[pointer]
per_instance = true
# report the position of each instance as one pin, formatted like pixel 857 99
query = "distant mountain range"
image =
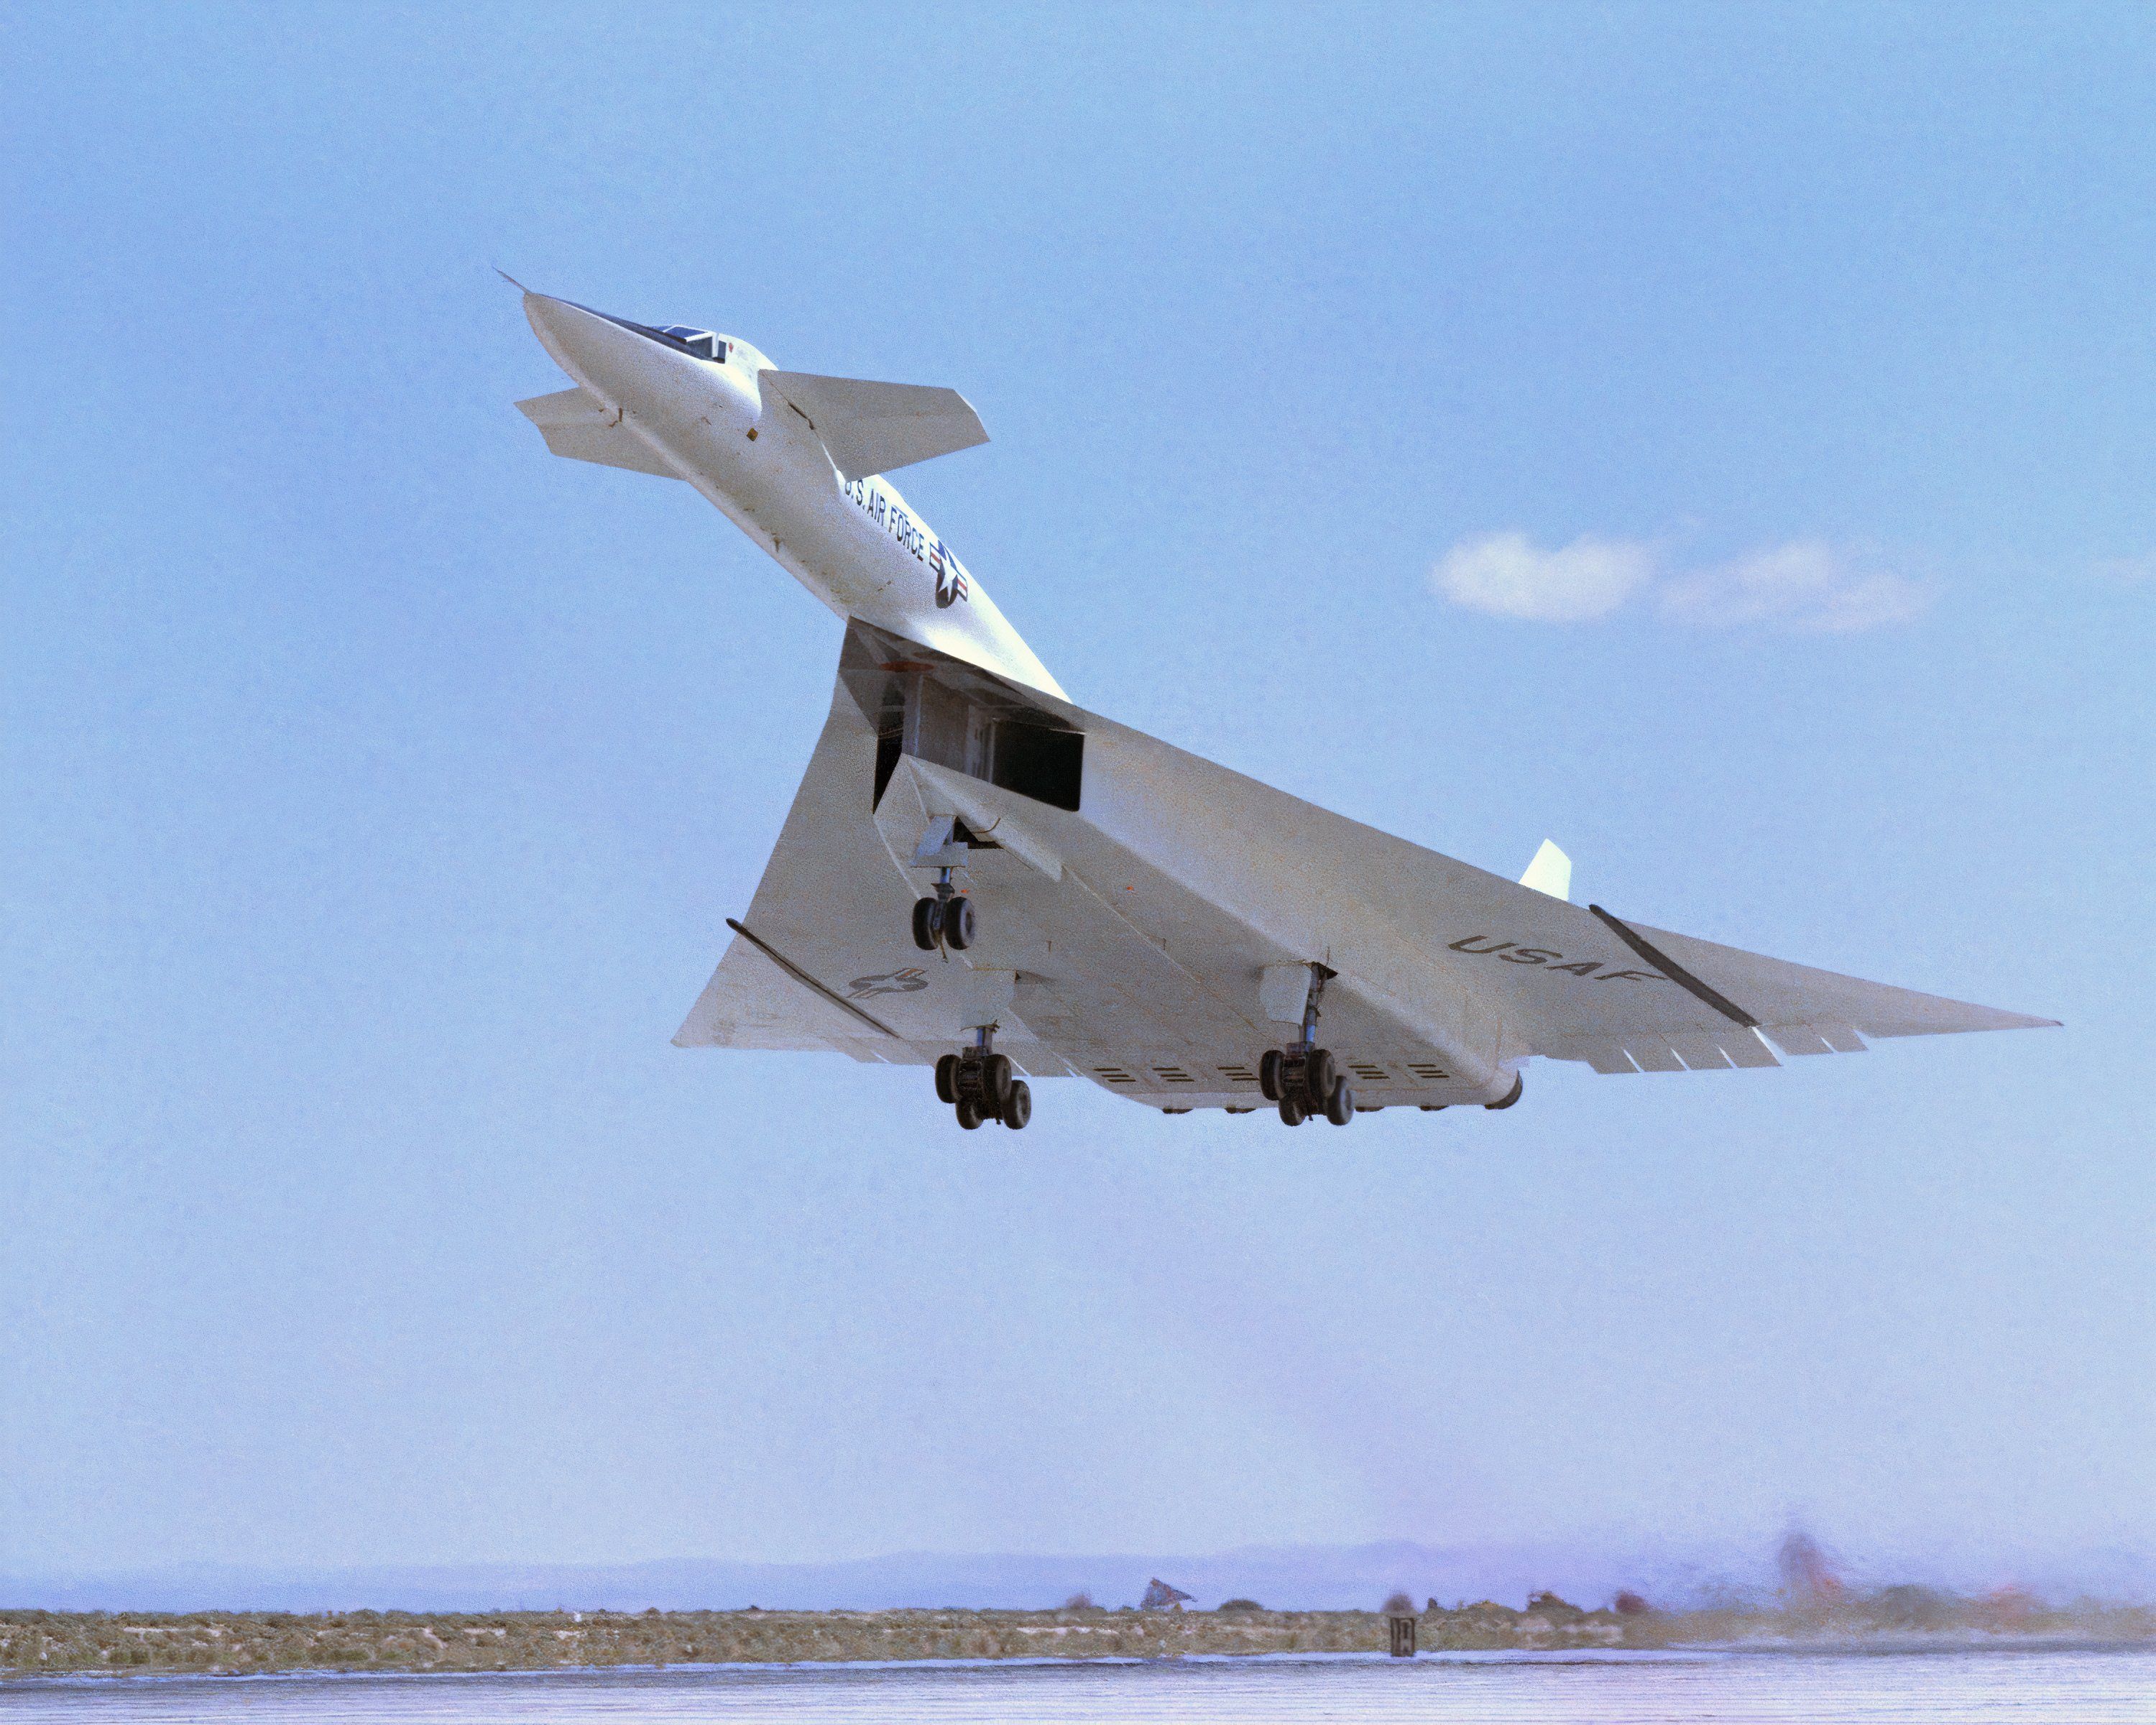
pixel 1304 1577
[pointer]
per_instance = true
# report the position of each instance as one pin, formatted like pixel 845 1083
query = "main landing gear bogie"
pixel 945 918
pixel 1303 1079
pixel 980 1085
pixel 1305 1082
pixel 948 922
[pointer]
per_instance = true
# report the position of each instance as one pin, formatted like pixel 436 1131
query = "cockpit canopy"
pixel 700 343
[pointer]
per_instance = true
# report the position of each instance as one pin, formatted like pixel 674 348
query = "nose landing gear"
pixel 1302 1077
pixel 947 919
pixel 978 1082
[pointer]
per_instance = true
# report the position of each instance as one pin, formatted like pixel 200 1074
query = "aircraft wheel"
pixel 927 920
pixel 1019 1109
pixel 1268 1084
pixel 959 924
pixel 996 1080
pixel 1340 1104
pixel 969 1113
pixel 1291 1110
pixel 946 1078
pixel 1511 1096
pixel 1319 1076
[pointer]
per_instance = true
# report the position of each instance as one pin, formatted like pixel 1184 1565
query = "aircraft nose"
pixel 590 348
pixel 625 363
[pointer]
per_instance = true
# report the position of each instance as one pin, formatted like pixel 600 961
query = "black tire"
pixel 1291 1110
pixel 995 1081
pixel 1019 1109
pixel 959 924
pixel 926 915
pixel 1340 1104
pixel 1511 1096
pixel 946 1078
pixel 1268 1084
pixel 1318 1076
pixel 969 1113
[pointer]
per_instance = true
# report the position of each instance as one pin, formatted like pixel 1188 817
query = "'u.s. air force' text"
pixel 887 512
pixel 895 518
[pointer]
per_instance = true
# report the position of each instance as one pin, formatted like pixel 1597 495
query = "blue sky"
pixel 1718 439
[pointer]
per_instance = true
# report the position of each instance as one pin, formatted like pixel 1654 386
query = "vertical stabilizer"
pixel 1550 872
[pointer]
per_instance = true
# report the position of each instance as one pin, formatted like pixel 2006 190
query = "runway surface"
pixel 1940 1688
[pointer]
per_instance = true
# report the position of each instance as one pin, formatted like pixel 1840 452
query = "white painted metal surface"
pixel 754 452
pixel 1158 936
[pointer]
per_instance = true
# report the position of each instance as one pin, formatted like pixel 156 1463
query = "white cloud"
pixel 1506 574
pixel 1809 585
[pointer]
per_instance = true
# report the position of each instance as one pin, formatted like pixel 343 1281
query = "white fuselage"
pixel 856 545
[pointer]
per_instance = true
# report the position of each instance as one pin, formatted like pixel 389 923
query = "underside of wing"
pixel 1799 1009
pixel 1155 922
pixel 1093 957
pixel 813 964
pixel 823 959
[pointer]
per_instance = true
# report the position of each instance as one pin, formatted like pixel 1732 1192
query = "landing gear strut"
pixel 1301 1078
pixel 978 1082
pixel 945 920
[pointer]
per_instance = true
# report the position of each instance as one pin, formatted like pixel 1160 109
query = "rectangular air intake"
pixel 1037 760
pixel 942 710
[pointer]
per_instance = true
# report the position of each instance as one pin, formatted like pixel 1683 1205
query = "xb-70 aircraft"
pixel 979 876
